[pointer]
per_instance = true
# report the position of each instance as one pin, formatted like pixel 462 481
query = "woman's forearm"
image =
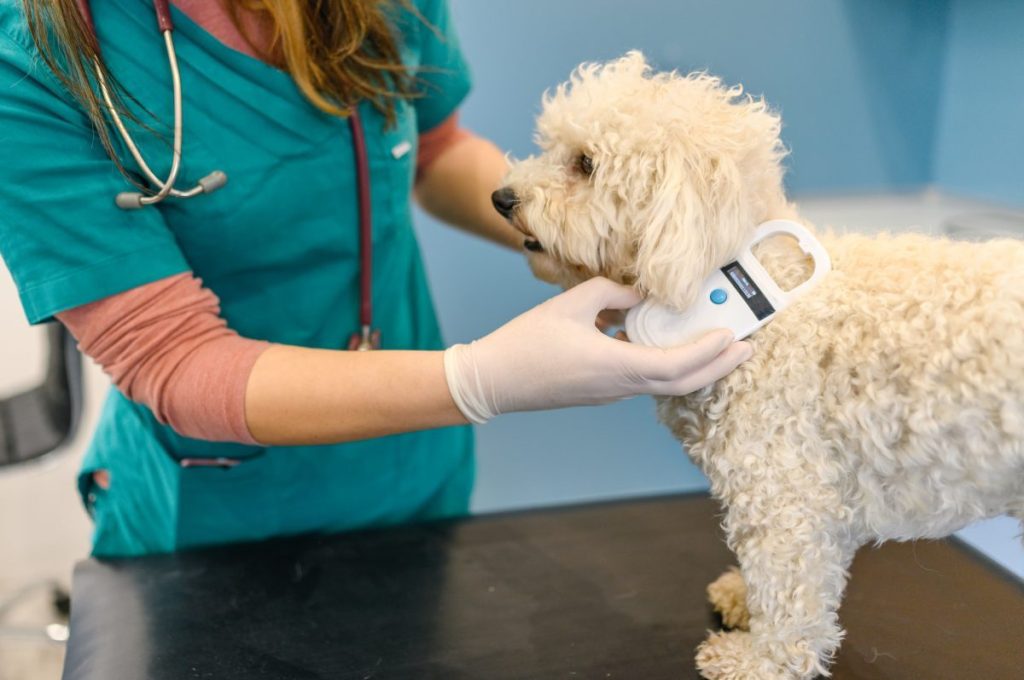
pixel 165 345
pixel 299 396
pixel 456 188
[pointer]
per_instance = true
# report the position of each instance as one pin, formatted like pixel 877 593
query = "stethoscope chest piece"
pixel 364 340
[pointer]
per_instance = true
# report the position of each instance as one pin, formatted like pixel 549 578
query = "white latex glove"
pixel 553 356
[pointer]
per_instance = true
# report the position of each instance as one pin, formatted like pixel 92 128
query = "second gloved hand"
pixel 553 356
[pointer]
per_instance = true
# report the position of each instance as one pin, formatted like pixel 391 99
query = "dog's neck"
pixel 784 261
pixel 780 255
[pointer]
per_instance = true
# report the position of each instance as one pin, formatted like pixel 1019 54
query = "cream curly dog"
pixel 886 404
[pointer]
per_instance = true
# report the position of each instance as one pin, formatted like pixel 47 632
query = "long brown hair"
pixel 338 52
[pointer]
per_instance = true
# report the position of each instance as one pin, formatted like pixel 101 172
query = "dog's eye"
pixel 585 164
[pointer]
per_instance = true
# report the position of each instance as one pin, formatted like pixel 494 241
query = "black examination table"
pixel 603 591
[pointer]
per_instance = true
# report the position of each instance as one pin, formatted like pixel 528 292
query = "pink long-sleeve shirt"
pixel 164 344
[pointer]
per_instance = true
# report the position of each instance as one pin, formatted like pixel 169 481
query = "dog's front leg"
pixel 793 558
pixel 728 596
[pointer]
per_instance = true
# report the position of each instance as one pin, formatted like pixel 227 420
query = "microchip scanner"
pixel 741 296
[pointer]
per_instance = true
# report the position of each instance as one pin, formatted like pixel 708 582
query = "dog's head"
pixel 648 179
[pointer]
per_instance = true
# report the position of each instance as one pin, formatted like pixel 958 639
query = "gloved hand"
pixel 553 356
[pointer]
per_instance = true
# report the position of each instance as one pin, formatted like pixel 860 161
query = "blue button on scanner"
pixel 718 296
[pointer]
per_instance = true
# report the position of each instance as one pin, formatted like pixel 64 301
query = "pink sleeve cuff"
pixel 165 345
pixel 437 140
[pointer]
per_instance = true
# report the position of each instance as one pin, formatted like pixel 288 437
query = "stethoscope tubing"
pixel 165 187
pixel 216 179
pixel 355 125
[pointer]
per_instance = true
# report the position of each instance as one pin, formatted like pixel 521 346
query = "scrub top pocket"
pixel 240 502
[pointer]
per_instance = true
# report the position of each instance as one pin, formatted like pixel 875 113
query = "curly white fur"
pixel 884 405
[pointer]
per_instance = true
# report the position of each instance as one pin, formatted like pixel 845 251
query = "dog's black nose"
pixel 505 201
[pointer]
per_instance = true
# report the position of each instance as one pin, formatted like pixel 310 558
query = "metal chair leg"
pixel 55 632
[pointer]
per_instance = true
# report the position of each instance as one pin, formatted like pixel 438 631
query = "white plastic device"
pixel 741 296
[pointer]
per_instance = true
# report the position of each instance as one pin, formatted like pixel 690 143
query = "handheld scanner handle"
pixel 809 245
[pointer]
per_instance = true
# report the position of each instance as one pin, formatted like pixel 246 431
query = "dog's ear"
pixel 715 174
pixel 692 224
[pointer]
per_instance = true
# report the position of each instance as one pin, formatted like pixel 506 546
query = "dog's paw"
pixel 731 656
pixel 728 595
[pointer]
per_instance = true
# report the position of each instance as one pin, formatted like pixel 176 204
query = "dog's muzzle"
pixel 505 202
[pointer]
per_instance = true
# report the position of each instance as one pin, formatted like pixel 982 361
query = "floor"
pixel 43 530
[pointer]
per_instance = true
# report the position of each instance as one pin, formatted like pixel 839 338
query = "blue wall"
pixel 857 81
pixel 981 133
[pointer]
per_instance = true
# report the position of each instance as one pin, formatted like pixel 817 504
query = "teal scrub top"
pixel 278 244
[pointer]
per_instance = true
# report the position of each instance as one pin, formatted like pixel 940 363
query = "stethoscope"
pixel 366 337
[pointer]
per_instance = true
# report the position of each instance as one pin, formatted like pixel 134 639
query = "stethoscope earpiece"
pixel 129 200
pixel 215 180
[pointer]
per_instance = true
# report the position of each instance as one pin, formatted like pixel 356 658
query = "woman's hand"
pixel 553 356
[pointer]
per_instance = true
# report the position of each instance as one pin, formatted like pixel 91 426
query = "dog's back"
pixel 900 376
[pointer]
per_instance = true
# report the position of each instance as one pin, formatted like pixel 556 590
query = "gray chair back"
pixel 40 420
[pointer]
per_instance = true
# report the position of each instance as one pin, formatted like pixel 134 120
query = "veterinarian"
pixel 223 312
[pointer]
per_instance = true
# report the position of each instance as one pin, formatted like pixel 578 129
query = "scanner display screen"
pixel 740 279
pixel 746 287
